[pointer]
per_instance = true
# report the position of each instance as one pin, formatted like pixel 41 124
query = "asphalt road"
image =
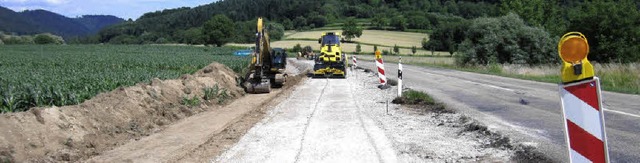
pixel 527 111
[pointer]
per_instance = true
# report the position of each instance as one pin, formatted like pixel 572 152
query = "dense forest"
pixel 523 27
pixel 31 22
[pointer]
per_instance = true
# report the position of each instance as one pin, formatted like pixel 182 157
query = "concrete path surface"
pixel 318 123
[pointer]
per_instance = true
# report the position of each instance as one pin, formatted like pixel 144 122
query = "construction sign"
pixel 584 121
pixel 581 102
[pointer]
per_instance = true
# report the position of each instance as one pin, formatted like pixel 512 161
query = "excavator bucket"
pixel 254 85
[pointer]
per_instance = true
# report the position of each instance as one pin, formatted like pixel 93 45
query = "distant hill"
pixel 42 21
pixel 95 23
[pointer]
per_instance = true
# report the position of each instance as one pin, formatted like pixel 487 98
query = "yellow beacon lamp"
pixel 573 49
pixel 378 55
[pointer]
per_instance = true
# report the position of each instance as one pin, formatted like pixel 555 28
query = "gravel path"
pixel 347 120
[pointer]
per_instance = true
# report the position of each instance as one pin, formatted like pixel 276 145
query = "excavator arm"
pixel 262 75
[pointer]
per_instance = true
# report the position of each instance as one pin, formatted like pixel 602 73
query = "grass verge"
pixel 614 77
pixel 422 101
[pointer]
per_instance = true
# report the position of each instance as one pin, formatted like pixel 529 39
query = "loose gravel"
pixel 423 136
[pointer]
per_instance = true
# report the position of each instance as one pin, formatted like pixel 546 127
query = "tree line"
pixel 180 24
pixel 610 25
pixel 43 38
pixel 530 30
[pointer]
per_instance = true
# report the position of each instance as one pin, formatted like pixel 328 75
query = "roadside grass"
pixel 615 77
pixel 422 101
pixel 623 78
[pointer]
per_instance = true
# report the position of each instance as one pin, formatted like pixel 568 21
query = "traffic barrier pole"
pixel 355 62
pixel 400 77
pixel 380 65
pixel 581 101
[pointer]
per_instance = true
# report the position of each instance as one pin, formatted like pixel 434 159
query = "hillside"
pixel 42 21
pixel 606 24
pixel 175 25
pixel 95 23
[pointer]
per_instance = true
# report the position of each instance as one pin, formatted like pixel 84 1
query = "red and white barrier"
pixel 380 65
pixel 400 77
pixel 355 62
pixel 584 121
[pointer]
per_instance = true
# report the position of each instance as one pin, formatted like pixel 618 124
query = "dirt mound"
pixel 73 133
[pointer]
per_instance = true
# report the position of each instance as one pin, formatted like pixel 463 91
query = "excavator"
pixel 331 62
pixel 267 67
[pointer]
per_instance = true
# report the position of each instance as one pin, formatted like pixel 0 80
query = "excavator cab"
pixel 278 59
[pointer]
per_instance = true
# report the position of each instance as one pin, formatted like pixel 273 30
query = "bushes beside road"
pixel 505 39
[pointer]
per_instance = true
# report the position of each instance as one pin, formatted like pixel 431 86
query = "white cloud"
pixel 10 1
pixel 55 2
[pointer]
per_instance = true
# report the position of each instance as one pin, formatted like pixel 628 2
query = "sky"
pixel 121 8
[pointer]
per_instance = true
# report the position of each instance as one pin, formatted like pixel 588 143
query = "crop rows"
pixel 33 75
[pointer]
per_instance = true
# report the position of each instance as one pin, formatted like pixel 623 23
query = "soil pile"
pixel 73 133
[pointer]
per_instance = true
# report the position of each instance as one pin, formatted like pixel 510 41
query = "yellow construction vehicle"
pixel 331 62
pixel 267 68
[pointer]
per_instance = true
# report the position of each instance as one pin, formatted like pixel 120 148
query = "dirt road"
pixel 527 111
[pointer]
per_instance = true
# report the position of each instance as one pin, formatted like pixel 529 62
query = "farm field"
pixel 384 39
pixel 64 75
pixel 346 47
pixel 377 37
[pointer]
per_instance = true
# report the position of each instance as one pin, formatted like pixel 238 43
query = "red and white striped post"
pixel 400 77
pixel 581 102
pixel 584 121
pixel 380 65
pixel 355 62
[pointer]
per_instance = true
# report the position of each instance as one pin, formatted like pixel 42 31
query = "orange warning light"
pixel 573 47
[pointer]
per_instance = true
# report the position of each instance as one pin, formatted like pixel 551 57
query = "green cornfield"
pixel 48 75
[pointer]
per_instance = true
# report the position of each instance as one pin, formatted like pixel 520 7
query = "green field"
pixel 35 75
pixel 385 40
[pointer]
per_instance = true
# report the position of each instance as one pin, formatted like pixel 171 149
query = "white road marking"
pixel 623 113
pixel 493 86
pixel 507 89
pixel 472 82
